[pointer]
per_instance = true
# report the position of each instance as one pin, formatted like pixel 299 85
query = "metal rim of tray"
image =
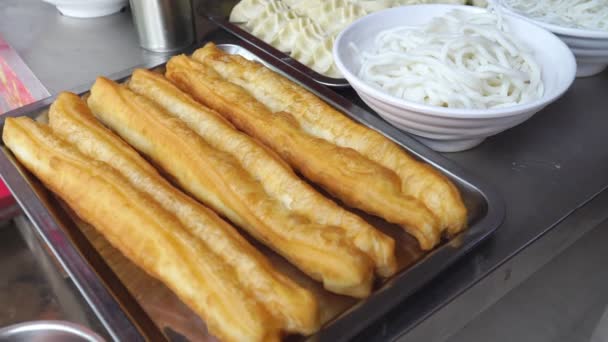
pixel 124 318
pixel 276 54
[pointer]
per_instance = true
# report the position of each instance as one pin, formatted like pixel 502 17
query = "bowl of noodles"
pixel 581 24
pixel 453 75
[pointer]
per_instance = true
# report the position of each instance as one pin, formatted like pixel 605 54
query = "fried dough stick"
pixel 321 120
pixel 218 180
pixel 294 307
pixel 345 173
pixel 277 178
pixel 143 231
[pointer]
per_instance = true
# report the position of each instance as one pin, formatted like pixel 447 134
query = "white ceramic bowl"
pixel 590 62
pixel 590 47
pixel 88 8
pixel 452 129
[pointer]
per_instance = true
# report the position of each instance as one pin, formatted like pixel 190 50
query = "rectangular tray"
pixel 98 272
pixel 280 56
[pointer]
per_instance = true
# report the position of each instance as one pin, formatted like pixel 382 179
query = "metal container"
pixel 163 25
pixel 48 331
pixel 275 53
pixel 155 313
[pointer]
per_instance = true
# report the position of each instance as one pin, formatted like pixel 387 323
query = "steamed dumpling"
pixel 247 10
pixel 374 5
pixel 317 55
pixel 267 27
pixel 292 3
pixel 455 2
pixel 302 30
pixel 417 2
pixel 323 60
pixel 408 2
pixel 480 3
pixel 305 29
pixel 266 11
pixel 332 19
pixel 269 20
pixel 308 8
pixel 303 49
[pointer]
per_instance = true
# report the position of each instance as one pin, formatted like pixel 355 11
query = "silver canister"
pixel 163 25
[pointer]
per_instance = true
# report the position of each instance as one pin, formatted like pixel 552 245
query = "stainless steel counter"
pixel 548 170
pixel 32 285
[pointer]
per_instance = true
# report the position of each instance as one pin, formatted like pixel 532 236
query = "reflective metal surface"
pixel 33 89
pixel 565 300
pixel 163 25
pixel 48 331
pixel 82 265
pixel 485 210
pixel 217 12
pixel 277 55
pixel 32 286
pixel 546 169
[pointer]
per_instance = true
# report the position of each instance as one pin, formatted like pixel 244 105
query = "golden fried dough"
pixel 321 120
pixel 294 307
pixel 143 231
pixel 218 180
pixel 277 178
pixel 343 172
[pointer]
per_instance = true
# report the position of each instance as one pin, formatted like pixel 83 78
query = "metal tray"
pixel 125 310
pixel 276 54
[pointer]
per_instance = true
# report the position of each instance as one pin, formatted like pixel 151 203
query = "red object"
pixel 6 199
pixel 11 88
pixel 18 87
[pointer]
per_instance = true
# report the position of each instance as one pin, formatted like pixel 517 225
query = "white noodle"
pixel 459 60
pixel 585 14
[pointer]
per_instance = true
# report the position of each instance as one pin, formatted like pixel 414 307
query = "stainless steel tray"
pixel 127 316
pixel 276 54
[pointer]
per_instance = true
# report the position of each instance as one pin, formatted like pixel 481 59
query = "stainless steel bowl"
pixel 48 331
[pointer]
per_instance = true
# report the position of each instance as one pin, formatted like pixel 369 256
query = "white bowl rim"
pixel 463 113
pixel 562 30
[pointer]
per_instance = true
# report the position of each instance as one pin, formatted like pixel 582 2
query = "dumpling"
pixel 292 3
pixel 323 59
pixel 303 50
pixel 305 29
pixel 270 20
pixel 317 55
pixel 266 11
pixel 409 2
pixel 302 30
pixel 266 27
pixel 308 8
pixel 371 6
pixel 247 10
pixel 454 2
pixel 332 19
pixel 417 2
